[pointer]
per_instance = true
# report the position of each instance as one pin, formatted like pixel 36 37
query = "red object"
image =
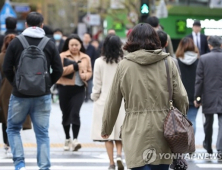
pixel 39 73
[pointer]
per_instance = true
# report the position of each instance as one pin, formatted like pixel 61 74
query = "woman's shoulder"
pixel 65 53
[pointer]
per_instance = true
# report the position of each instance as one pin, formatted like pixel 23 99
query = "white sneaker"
pixel 67 144
pixel 9 153
pixel 76 145
pixel 23 168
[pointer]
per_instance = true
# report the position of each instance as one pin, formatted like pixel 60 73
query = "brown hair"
pixel 186 44
pixel 8 38
pixel 143 36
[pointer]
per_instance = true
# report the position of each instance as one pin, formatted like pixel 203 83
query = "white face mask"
pixel 57 37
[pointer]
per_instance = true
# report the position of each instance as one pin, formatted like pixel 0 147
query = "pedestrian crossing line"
pixel 61 161
pixel 209 166
pixel 61 168
pixel 60 145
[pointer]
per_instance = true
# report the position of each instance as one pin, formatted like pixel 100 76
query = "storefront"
pixel 180 19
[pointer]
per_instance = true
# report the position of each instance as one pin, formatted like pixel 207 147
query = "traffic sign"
pixel 7 11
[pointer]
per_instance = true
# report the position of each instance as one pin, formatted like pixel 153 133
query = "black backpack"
pixel 32 77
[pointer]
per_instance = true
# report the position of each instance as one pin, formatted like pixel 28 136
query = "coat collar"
pixel 68 54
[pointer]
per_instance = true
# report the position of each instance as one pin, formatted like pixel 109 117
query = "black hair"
pixel 57 30
pixel 215 41
pixel 163 38
pixel 143 36
pixel 111 49
pixel 34 19
pixel 10 23
pixel 76 37
pixel 153 21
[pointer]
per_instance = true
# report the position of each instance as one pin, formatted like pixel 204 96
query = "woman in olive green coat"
pixel 141 79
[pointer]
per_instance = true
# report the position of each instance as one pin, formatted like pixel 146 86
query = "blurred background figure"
pixel 104 71
pixel 154 22
pixel 58 39
pixel 91 52
pixel 96 44
pixel 5 93
pixel 187 55
pixel 10 24
pixel 112 31
pixel 200 40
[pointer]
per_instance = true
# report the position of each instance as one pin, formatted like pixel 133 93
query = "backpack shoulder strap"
pixel 23 40
pixel 43 43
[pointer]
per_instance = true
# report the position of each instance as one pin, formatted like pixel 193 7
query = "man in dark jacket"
pixel 39 106
pixel 200 40
pixel 10 23
pixel 208 91
pixel 91 52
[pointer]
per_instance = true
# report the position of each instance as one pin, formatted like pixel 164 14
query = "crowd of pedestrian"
pixel 126 82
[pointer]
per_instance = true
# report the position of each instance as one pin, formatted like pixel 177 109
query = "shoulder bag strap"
pixel 168 81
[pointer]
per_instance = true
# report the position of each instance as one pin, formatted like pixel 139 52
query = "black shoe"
pixel 210 151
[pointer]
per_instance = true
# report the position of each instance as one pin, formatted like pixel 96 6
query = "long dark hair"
pixel 76 37
pixel 111 49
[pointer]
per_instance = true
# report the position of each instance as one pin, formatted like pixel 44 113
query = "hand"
pixel 105 136
pixel 196 104
pixel 76 66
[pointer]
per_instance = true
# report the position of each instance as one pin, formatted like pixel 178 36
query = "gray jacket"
pixel 208 83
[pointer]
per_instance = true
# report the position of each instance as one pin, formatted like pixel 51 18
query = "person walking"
pixel 141 79
pixel 104 71
pixel 200 40
pixel 5 92
pixel 208 90
pixel 187 55
pixel 76 72
pixel 10 23
pixel 154 22
pixel 24 100
pixel 91 52
pixel 57 37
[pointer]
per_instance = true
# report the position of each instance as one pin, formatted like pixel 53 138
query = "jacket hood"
pixel 189 57
pixel 146 57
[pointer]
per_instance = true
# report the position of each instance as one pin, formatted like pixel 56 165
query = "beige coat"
pixel 141 79
pixel 102 81
pixel 85 69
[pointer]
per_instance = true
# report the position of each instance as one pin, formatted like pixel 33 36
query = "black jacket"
pixel 208 83
pixel 188 75
pixel 13 54
pixel 3 36
pixel 203 44
pixel 91 52
pixel 60 46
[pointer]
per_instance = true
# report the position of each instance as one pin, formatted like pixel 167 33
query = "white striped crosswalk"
pixel 93 163
pixel 61 164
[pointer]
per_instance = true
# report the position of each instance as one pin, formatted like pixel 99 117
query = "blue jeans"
pixel 152 167
pixel 39 110
pixel 191 115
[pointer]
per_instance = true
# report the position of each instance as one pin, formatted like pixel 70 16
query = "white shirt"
pixel 196 39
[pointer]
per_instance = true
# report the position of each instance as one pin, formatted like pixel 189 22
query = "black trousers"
pixel 5 136
pixel 208 130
